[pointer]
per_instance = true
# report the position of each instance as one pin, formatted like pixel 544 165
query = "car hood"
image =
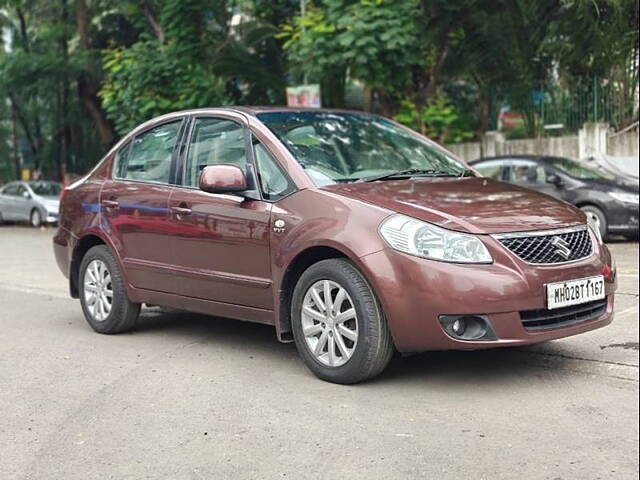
pixel 474 205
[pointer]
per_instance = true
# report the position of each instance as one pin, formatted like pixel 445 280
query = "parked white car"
pixel 33 202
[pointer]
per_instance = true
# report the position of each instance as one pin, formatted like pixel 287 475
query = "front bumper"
pixel 415 292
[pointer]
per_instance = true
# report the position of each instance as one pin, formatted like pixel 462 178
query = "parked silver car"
pixel 33 202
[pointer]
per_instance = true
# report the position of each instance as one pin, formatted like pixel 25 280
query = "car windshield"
pixel 577 170
pixel 346 147
pixel 45 189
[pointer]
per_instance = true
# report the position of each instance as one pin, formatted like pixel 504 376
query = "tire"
pixel 359 357
pixel 598 215
pixel 122 313
pixel 35 218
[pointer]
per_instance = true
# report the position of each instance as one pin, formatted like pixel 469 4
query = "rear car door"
pixel 220 242
pixel 135 205
pixel 7 202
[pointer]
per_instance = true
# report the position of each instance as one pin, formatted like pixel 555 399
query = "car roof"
pixel 540 158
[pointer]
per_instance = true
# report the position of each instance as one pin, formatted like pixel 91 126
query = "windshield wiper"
pixel 407 173
pixel 467 171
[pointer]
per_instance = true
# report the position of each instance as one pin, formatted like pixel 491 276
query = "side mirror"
pixel 223 178
pixel 554 180
pixel 26 195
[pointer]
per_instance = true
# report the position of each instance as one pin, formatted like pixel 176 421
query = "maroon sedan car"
pixel 353 236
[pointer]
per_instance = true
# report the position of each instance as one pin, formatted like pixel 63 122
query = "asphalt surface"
pixel 192 397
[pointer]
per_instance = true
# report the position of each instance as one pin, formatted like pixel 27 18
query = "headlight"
pixel 419 238
pixel 595 228
pixel 625 197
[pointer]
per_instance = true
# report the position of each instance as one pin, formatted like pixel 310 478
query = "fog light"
pixel 459 326
pixel 468 327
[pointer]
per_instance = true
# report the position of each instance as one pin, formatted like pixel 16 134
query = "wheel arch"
pixel 83 245
pixel 296 267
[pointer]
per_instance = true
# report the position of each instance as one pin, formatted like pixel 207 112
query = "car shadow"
pixel 453 369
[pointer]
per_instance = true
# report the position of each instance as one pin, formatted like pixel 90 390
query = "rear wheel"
pixel 595 215
pixel 338 326
pixel 103 295
pixel 36 218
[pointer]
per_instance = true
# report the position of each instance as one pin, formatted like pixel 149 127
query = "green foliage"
pixel 374 39
pixel 437 119
pixel 147 80
pixel 444 67
pixel 163 72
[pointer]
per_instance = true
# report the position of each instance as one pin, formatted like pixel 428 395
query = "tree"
pixel 375 41
pixel 164 70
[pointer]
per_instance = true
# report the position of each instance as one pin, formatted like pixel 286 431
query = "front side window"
pixel 345 147
pixel 151 152
pixel 121 160
pixel 214 141
pixel 22 191
pixel 274 182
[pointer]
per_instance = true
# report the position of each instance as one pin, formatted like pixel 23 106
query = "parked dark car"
pixel 610 201
pixel 352 235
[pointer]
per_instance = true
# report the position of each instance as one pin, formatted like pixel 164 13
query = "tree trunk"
pixel 14 133
pixel 87 89
pixel 65 141
pixel 155 25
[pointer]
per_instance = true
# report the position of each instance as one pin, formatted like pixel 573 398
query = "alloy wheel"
pixel 98 290
pixel 329 323
pixel 595 219
pixel 36 219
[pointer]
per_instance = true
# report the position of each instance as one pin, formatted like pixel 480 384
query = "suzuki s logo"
pixel 562 247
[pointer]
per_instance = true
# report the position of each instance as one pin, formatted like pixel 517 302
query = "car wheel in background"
pixel 597 217
pixel 103 295
pixel 338 325
pixel 36 218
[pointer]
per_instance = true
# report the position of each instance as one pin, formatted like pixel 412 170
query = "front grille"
pixel 544 319
pixel 545 249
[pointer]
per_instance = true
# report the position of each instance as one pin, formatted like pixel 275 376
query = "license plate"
pixel 574 292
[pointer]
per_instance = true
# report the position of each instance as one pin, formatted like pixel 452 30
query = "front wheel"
pixel 103 294
pixel 597 217
pixel 338 326
pixel 36 218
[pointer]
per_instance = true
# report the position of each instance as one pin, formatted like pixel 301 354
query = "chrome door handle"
pixel 181 210
pixel 110 204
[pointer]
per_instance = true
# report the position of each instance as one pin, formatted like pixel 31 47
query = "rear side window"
pixel 11 189
pixel 150 155
pixel 214 141
pixel 527 172
pixel 491 169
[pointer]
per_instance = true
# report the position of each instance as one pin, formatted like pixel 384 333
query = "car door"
pixel 23 203
pixel 7 202
pixel 135 205
pixel 220 242
pixel 532 174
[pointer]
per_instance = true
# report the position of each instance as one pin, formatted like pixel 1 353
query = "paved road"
pixel 190 397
